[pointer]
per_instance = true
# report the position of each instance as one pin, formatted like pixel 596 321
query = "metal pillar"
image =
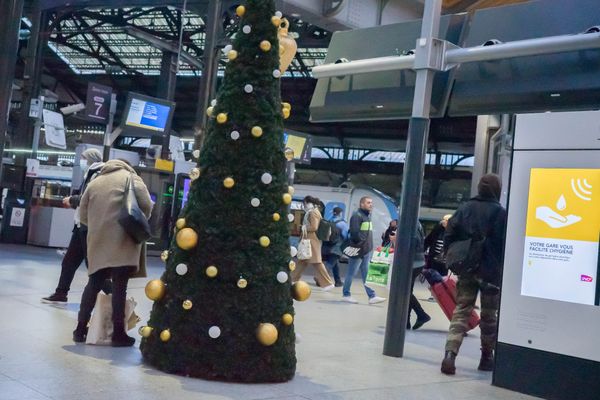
pixel 32 78
pixel 166 90
pixel 412 184
pixel 9 42
pixel 210 59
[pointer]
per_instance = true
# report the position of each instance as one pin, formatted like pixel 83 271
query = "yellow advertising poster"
pixel 562 233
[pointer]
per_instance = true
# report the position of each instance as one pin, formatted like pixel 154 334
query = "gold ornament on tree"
pixel 228 182
pixel 165 335
pixel 287 198
pixel 292 265
pixel 257 131
pixel 187 305
pixel 276 217
pixel 195 174
pixel 288 44
pixel 164 256
pixel 232 55
pixel 300 291
pixel 222 118
pixel 287 319
pixel 264 241
pixel 267 334
pixel 145 331
pixel 240 11
pixel 212 271
pixel 155 289
pixel 265 45
pixel 187 239
pixel 242 283
pixel 180 224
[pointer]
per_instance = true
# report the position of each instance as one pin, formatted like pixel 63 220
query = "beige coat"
pixel 108 244
pixel 311 222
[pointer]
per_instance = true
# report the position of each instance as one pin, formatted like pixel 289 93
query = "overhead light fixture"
pixel 555 95
pixel 379 106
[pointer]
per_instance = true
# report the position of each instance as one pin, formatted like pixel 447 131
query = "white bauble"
pixel 227 48
pixel 248 88
pixel 235 135
pixel 291 217
pixel 276 73
pixel 255 202
pixel 247 29
pixel 282 277
pixel 214 332
pixel 181 269
pixel 293 251
pixel 266 178
pixel 279 14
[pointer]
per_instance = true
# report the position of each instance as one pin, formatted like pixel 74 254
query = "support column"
pixel 9 43
pixel 166 90
pixel 412 185
pixel 210 60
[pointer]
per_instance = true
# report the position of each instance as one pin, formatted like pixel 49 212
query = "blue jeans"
pixel 354 264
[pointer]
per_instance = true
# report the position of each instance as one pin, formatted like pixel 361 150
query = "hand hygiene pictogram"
pixel 581 189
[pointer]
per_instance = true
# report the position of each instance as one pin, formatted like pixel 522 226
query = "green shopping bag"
pixel 379 267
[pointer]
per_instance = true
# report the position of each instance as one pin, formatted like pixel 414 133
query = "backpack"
pixel 336 233
pixel 325 230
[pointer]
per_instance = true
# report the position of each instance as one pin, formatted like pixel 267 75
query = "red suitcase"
pixel 445 294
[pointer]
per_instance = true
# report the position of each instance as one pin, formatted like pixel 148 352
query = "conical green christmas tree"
pixel 223 309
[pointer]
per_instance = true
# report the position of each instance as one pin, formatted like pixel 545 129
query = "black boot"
pixel 80 333
pixel 448 366
pixel 421 320
pixel 486 363
pixel 120 337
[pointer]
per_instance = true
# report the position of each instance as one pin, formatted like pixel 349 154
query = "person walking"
pixel 434 247
pixel 358 248
pixel 310 225
pixel 418 265
pixel 332 250
pixel 480 217
pixel 77 249
pixel 388 238
pixel 111 251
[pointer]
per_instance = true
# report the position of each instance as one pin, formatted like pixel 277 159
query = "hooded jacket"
pixel 482 216
pixel 360 232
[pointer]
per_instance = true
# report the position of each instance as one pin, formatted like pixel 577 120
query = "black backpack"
pixel 336 233
pixel 325 230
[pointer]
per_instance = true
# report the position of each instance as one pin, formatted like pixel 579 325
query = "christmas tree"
pixel 223 309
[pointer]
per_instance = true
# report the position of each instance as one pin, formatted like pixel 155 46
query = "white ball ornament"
pixel 227 48
pixel 276 73
pixel 291 217
pixel 282 277
pixel 214 332
pixel 293 251
pixel 266 178
pixel 181 269
pixel 248 88
pixel 279 14
pixel 235 135
pixel 196 153
pixel 213 103
pixel 247 29
pixel 255 202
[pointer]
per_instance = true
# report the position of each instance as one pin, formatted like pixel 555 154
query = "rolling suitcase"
pixel 444 293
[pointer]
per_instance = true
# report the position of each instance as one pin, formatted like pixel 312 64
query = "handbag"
pixel 131 217
pixel 101 327
pixel 304 248
pixel 464 256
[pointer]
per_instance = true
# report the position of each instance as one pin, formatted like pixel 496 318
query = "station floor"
pixel 339 351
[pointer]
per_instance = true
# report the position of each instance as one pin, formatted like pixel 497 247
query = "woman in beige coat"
pixel 311 221
pixel 111 251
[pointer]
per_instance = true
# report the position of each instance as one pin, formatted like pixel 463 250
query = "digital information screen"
pixel 147 115
pixel 562 234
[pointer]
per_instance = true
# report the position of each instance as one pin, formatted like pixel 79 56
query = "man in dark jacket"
pixel 480 217
pixel 359 250
pixel 77 250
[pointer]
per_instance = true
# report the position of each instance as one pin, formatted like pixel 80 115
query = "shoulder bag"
pixel 131 217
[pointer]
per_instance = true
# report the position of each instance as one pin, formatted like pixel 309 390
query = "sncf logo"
pixel 586 278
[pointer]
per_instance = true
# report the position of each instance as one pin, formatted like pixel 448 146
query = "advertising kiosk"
pixel 549 322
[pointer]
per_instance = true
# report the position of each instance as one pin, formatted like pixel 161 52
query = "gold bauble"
pixel 195 174
pixel 242 283
pixel 240 11
pixel 145 331
pixel 265 45
pixel 211 271
pixel 285 105
pixel 292 265
pixel 289 154
pixel 165 335
pixel 232 55
pixel 264 241
pixel 286 113
pixel 180 224
pixel 287 319
pixel 300 291
pixel 281 50
pixel 266 334
pixel 291 190
pixel 257 131
pixel 187 305
pixel 228 182
pixel 209 111
pixel 276 217
pixel 164 256
pixel 155 289
pixel 187 239
pixel 287 198
pixel 275 20
pixel 222 118
pixel 287 46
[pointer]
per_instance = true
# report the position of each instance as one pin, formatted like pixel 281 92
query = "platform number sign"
pixel 97 105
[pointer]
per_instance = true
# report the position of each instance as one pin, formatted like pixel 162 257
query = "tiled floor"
pixel 339 352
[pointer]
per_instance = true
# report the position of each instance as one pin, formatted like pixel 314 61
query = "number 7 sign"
pixel 98 103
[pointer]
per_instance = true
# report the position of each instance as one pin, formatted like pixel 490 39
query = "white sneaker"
pixel 376 300
pixel 349 299
pixel 327 288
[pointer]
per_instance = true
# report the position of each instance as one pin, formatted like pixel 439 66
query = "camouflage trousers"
pixel 467 290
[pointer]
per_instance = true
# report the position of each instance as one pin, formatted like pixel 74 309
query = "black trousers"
pixel 414 303
pixel 76 254
pixel 120 277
